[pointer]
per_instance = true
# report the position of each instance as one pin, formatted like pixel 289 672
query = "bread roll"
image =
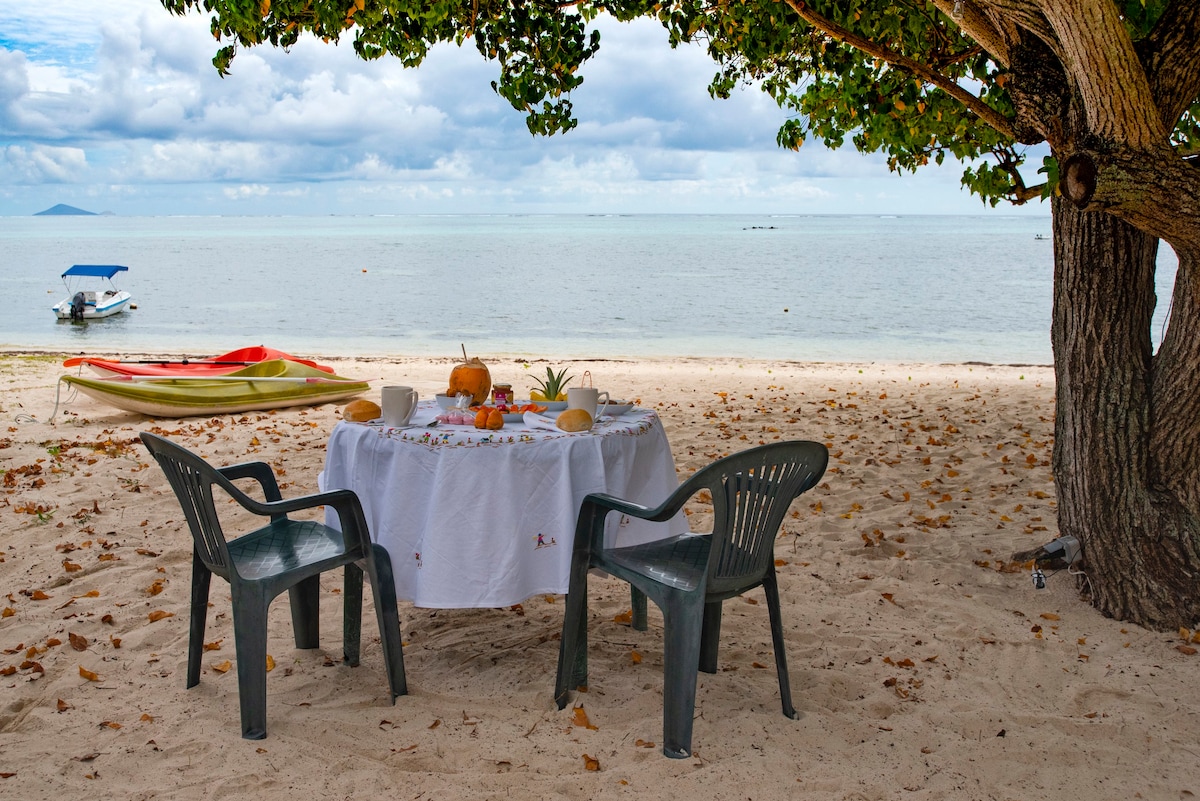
pixel 360 411
pixel 574 420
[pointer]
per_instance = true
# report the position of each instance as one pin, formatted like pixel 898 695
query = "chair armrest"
pixel 664 511
pixel 611 503
pixel 589 531
pixel 344 502
pixel 260 472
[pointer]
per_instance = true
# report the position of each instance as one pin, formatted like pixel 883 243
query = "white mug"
pixel 398 404
pixel 588 399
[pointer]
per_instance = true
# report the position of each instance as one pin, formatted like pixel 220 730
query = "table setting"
pixel 485 517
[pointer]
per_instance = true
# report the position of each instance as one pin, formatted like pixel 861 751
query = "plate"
pixel 616 409
pixel 512 417
pixel 552 406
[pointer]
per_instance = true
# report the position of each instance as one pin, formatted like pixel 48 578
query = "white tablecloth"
pixel 486 518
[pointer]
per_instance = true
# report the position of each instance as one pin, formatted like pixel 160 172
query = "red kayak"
pixel 217 365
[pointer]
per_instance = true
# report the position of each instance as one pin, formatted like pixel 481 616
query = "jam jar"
pixel 502 394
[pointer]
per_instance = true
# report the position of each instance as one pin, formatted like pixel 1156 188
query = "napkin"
pixel 535 420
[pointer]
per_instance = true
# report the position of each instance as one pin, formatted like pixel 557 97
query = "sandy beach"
pixel 923 661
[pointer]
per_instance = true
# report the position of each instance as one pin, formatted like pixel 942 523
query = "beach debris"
pixel 579 718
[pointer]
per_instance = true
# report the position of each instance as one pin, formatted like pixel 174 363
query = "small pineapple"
pixel 553 386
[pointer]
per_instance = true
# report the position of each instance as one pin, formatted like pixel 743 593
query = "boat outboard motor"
pixel 78 303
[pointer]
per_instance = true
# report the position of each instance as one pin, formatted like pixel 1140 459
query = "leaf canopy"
pixel 892 77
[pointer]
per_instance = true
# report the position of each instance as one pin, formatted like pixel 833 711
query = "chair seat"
pixel 679 562
pixel 283 546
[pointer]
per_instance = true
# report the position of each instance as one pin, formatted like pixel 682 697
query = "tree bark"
pixel 1141 541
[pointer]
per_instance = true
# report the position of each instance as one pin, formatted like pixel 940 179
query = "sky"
pixel 115 106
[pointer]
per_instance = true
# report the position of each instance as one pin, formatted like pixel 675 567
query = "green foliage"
pixel 832 91
pixel 1049 168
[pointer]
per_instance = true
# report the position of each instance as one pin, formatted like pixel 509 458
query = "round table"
pixel 475 518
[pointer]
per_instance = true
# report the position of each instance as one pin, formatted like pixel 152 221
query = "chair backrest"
pixel 192 479
pixel 751 493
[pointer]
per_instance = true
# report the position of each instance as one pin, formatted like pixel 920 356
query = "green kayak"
pixel 272 384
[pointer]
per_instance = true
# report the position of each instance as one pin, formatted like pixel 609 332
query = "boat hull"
pixel 188 368
pixel 97 305
pixel 277 384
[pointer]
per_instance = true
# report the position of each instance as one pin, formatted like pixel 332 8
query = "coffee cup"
pixel 588 399
pixel 398 405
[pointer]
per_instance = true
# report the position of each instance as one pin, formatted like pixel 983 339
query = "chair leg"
pixel 710 636
pixel 682 622
pixel 305 600
pixel 771 590
pixel 637 602
pixel 352 603
pixel 572 646
pixel 250 638
pixel 383 588
pixel 201 579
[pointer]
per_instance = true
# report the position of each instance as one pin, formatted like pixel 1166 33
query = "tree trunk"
pixel 1141 541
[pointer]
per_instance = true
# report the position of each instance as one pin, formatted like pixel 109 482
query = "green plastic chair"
pixel 283 555
pixel 689 576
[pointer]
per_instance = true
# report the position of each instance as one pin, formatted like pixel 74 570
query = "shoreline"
pixel 532 358
pixel 921 657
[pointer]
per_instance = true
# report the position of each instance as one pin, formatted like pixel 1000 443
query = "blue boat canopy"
pixel 95 270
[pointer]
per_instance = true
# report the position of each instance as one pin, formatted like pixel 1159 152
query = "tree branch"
pixel 1173 64
pixel 1103 56
pixel 1025 14
pixel 979 27
pixel 922 71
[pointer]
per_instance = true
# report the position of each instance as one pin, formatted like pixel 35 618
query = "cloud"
pixel 120 99
pixel 43 164
pixel 246 191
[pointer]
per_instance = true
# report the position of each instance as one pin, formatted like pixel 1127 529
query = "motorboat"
pixel 275 384
pixel 91 300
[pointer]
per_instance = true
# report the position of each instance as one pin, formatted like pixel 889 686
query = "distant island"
pixel 63 209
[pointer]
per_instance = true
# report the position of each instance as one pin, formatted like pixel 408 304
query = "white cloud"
pixel 119 99
pixel 247 191
pixel 44 164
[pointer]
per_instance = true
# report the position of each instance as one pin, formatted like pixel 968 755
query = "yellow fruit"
pixel 495 420
pixel 553 385
pixel 537 396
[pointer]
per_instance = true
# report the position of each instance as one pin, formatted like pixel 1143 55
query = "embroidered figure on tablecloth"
pixel 541 541
pixel 417 556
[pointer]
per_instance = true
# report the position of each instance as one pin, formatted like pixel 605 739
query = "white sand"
pixel 925 665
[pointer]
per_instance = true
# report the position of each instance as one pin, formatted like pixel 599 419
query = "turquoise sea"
pixel 810 288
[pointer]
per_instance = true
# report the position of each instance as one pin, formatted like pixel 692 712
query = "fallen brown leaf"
pixel 580 718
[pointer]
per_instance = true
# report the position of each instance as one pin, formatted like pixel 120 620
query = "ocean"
pixel 808 288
